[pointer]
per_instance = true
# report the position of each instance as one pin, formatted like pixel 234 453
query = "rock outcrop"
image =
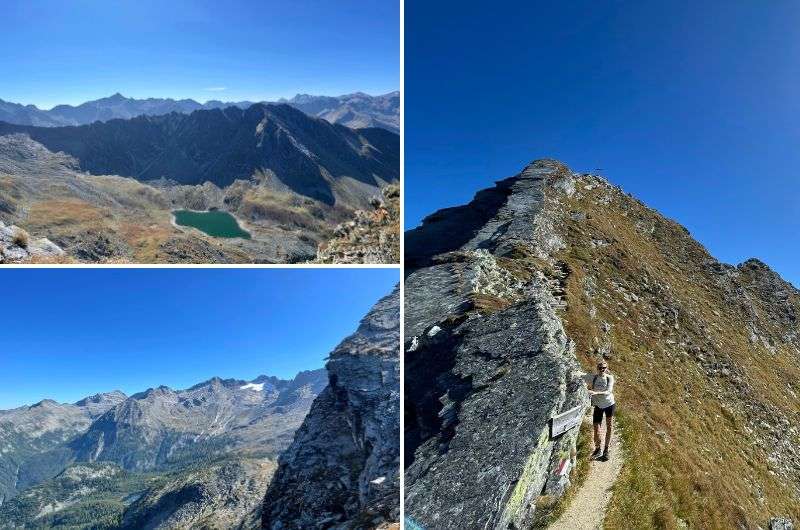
pixel 487 365
pixel 507 298
pixel 16 246
pixel 371 237
pixel 342 470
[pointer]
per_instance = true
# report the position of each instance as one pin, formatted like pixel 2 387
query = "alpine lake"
pixel 214 223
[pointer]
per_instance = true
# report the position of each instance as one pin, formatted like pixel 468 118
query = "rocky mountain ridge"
pixel 508 298
pixel 342 469
pixel 304 155
pixel 356 110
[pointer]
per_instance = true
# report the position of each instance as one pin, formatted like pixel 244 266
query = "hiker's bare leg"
pixel 609 430
pixel 597 436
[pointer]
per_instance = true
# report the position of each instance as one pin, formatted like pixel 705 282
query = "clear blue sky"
pixel 691 106
pixel 73 333
pixel 53 51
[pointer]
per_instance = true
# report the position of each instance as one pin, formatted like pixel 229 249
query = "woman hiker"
pixel 601 391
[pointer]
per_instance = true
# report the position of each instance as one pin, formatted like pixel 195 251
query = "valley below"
pixel 267 184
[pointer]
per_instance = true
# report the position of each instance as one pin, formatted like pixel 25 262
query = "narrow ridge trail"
pixel 587 509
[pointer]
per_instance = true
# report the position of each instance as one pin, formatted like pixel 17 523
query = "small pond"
pixel 213 223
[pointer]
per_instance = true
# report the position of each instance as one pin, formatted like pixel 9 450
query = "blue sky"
pixel 72 333
pixel 690 106
pixel 55 52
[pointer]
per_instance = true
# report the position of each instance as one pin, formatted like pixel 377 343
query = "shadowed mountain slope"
pixel 306 155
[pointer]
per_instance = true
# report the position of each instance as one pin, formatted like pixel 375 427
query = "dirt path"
pixel 587 509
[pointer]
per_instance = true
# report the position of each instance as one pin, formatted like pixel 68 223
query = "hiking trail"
pixel 587 509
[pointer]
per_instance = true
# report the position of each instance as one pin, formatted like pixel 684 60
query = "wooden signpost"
pixel 561 423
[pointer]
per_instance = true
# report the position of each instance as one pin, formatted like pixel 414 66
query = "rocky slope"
pixel 16 246
pixel 506 296
pixel 352 110
pixel 224 495
pixel 28 433
pixel 82 496
pixel 342 470
pixel 97 218
pixel 371 237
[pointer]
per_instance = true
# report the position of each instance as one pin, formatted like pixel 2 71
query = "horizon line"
pixel 46 107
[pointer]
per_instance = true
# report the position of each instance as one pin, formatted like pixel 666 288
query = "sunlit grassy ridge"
pixel 706 359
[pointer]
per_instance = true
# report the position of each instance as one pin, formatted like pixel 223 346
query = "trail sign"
pixel 561 423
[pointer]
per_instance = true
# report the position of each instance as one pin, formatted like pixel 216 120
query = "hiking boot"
pixel 597 453
pixel 604 458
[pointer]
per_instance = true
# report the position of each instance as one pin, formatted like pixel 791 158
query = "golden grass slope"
pixel 707 360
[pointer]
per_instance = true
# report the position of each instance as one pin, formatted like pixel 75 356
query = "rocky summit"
pixel 511 298
pixel 343 467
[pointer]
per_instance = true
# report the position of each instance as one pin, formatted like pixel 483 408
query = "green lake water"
pixel 217 224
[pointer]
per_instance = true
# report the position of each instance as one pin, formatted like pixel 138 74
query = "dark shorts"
pixel 597 415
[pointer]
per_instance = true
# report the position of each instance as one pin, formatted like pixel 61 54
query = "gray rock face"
pixel 781 523
pixel 342 470
pixel 487 363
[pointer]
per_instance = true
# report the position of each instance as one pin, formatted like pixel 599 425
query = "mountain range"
pixel 158 429
pixel 356 110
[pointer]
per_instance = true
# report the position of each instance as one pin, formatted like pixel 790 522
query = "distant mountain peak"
pixel 46 403
pixel 114 395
